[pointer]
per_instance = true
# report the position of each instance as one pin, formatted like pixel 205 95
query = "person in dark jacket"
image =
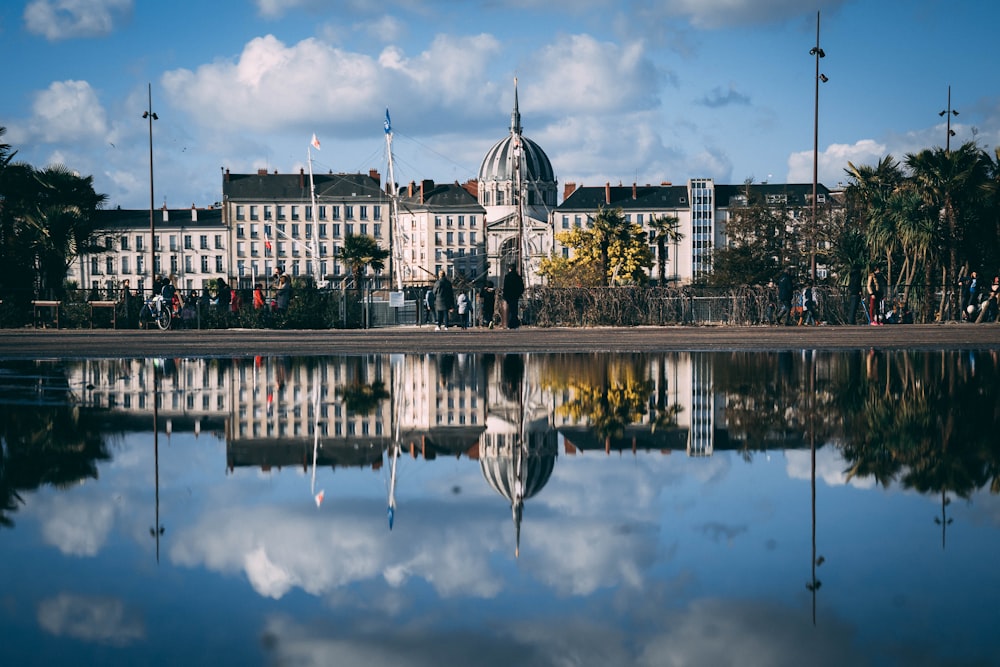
pixel 513 288
pixel 853 294
pixel 444 300
pixel 785 297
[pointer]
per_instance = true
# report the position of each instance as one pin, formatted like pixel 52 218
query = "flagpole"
pixel 393 208
pixel 312 197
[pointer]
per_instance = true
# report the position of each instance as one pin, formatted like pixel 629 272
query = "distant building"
pixel 518 189
pixel 192 245
pixel 701 207
pixel 273 223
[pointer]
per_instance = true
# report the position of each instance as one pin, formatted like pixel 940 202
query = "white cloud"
pixel 68 19
pixel 580 74
pixel 91 619
pixel 830 468
pixel 272 85
pixel 67 111
pixel 832 161
pixel 77 526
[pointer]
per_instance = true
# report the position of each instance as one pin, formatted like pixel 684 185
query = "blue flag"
pixel 388 125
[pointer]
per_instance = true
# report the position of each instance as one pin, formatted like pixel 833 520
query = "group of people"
pixel 803 313
pixel 979 303
pixel 440 301
pixel 185 307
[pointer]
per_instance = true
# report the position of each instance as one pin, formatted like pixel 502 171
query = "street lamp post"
pixel 151 116
pixel 818 53
pixel 948 113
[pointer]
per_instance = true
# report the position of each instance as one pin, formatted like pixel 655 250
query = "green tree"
pixel 760 240
pixel 954 184
pixel 361 252
pixel 46 220
pixel 610 251
pixel 664 229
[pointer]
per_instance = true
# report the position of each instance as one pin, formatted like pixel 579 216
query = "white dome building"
pixel 518 189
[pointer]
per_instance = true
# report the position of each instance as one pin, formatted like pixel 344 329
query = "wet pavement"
pixel 35 344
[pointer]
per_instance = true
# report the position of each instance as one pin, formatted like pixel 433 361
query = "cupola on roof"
pixel 498 165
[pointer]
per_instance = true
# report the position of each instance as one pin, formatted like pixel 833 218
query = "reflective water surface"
pixel 676 509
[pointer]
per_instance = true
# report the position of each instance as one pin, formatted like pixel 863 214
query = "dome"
pixel 500 473
pixel 498 165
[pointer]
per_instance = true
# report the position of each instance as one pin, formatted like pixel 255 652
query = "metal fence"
pixel 312 308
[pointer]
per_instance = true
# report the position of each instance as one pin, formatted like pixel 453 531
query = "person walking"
pixel 487 304
pixel 444 300
pixel 785 298
pixel 513 288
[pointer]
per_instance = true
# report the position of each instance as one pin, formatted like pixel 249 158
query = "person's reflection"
pixel 446 368
pixel 511 376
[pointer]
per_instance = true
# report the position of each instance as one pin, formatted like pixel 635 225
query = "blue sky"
pixel 635 91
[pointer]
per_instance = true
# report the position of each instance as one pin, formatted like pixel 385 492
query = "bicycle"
pixel 154 310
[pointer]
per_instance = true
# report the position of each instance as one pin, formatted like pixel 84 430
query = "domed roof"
pixel 498 165
pixel 501 474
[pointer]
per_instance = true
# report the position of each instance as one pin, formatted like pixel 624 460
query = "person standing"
pixel 876 293
pixel 513 288
pixel 853 294
pixel 283 295
pixel 785 298
pixel 258 296
pixel 487 303
pixel 126 305
pixel 444 300
pixel 462 306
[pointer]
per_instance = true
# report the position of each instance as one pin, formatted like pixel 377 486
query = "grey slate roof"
pixel 443 195
pixel 656 197
pixel 115 219
pixel 295 187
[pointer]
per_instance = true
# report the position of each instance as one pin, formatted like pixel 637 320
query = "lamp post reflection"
pixel 156 530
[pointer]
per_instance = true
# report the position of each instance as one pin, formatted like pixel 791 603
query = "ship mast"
pixel 515 129
pixel 394 251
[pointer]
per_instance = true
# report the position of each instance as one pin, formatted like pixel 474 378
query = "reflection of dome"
pixel 498 165
pixel 501 473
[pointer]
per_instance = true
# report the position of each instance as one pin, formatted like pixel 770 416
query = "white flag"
pixel 315 142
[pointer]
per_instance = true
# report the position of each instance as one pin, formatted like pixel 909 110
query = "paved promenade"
pixel 47 344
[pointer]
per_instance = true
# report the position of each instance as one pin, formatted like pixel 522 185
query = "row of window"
pixel 125 264
pixel 292 231
pixel 292 212
pixel 125 242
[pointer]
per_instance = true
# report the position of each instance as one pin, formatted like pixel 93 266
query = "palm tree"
pixel 953 184
pixel 361 252
pixel 664 228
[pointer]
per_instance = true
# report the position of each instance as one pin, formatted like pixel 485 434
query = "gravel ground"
pixel 48 343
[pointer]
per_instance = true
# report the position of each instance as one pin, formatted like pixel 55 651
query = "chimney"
pixel 666 183
pixel 194 213
pixel 634 191
pixel 166 215
pixel 426 186
pixel 568 189
pixel 472 187
pixel 226 178
pixel 607 192
pixel 262 172
pixel 410 188
pixel 302 177
pixel 375 176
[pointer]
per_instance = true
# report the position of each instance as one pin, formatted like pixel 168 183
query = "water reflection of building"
pixel 436 405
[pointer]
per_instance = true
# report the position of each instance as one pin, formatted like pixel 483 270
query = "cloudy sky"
pixel 634 91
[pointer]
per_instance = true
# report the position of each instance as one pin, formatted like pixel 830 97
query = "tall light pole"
pixel 151 115
pixel 819 53
pixel 948 113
